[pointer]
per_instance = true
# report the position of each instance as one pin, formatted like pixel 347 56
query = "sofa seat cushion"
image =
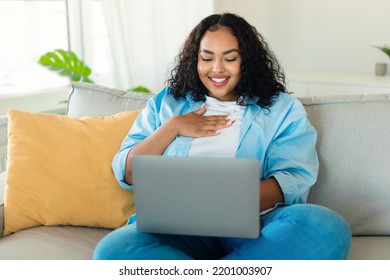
pixel 370 248
pixel 78 243
pixel 51 243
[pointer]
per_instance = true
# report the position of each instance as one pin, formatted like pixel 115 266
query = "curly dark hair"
pixel 261 74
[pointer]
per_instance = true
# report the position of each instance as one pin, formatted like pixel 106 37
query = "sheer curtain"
pixel 146 35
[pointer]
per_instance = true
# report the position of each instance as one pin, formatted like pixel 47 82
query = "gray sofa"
pixel 354 180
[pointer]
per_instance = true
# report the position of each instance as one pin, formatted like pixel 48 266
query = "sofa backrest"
pixel 354 152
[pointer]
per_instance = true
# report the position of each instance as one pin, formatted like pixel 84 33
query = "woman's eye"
pixel 206 59
pixel 230 59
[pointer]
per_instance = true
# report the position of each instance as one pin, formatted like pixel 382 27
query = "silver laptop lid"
pixel 197 195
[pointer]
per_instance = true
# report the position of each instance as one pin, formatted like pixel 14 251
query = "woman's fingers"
pixel 208 126
pixel 215 124
pixel 195 124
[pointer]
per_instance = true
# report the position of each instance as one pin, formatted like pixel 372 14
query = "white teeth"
pixel 219 80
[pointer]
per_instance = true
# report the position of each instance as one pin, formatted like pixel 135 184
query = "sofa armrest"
pixel 2 187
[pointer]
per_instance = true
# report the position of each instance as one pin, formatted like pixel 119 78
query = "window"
pixel 28 30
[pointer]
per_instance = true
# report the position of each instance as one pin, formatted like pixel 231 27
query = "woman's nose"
pixel 218 66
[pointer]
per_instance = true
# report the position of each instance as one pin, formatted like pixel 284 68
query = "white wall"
pixel 320 35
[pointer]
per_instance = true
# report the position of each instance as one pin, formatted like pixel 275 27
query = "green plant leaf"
pixel 385 49
pixel 141 89
pixel 67 64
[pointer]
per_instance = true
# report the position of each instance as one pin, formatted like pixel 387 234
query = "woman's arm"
pixel 270 193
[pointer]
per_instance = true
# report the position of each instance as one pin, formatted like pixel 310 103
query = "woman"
pixel 226 97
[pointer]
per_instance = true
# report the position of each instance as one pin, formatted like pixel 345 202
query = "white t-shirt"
pixel 226 143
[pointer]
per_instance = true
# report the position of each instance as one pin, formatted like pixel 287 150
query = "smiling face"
pixel 219 64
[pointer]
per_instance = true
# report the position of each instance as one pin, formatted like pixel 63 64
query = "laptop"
pixel 202 196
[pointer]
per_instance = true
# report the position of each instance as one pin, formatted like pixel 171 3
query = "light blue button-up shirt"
pixel 280 137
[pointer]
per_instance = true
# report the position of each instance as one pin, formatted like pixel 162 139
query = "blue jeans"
pixel 302 231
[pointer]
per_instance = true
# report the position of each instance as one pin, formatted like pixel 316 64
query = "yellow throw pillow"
pixel 59 171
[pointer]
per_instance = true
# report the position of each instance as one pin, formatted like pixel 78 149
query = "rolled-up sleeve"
pixel 292 158
pixel 144 125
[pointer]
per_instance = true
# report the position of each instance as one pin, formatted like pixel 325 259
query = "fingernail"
pixel 230 120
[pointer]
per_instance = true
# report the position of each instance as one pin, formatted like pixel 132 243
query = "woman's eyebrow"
pixel 225 52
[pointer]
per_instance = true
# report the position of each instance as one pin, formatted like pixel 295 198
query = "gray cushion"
pixel 51 243
pixel 370 248
pixel 354 151
pixel 94 100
